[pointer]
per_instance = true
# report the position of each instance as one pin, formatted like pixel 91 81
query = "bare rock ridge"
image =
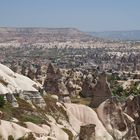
pixel 41 35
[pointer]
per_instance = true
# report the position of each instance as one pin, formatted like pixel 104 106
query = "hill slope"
pixel 133 35
pixel 41 34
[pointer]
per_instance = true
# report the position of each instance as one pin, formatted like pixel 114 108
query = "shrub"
pixel 10 137
pixel 69 133
pixel 29 137
pixel 2 101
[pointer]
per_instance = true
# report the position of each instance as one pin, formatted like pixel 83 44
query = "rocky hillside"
pixel 31 114
pixel 41 35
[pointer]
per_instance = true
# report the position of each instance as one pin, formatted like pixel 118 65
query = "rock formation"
pixel 54 84
pixel 87 116
pixel 101 91
pixel 87 87
pixel 14 67
pixel 13 84
pixel 73 89
pixel 132 108
pixel 87 132
pixel 31 73
pixel 38 72
pixel 40 118
pixel 49 83
pixel 23 70
pixel 117 123
pixel 74 82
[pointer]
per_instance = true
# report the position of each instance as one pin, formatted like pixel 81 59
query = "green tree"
pixel 2 101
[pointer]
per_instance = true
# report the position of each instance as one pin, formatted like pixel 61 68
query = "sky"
pixel 86 15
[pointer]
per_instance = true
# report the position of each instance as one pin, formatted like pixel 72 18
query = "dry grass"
pixel 84 101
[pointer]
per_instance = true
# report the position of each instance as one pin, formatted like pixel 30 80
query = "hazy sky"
pixel 87 15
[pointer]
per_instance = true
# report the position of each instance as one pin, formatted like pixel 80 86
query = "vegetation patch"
pixel 69 133
pixel 81 100
pixel 31 118
pixel 2 101
pixel 3 82
pixel 24 105
pixel 7 110
pixel 54 110
pixel 10 137
pixel 29 137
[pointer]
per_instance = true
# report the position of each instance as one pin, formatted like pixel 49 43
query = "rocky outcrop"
pixel 116 122
pixel 23 70
pixel 87 116
pixel 31 73
pixel 54 84
pixel 87 132
pixel 63 121
pixel 74 82
pixel 49 83
pixel 87 87
pixel 38 72
pixel 101 91
pixel 10 129
pixel 73 89
pixel 13 84
pixel 132 108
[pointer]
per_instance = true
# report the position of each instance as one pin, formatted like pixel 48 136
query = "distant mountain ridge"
pixel 35 34
pixel 133 35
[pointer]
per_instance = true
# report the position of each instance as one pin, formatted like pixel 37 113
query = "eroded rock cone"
pixel 87 132
pixel 23 70
pixel 31 73
pixel 14 67
pixel 101 91
pixel 59 74
pixel 87 87
pixel 120 125
pixel 51 69
pixel 131 134
pixel 73 89
pixel 50 81
pixel 54 83
pixel 38 72
pixel 132 108
pixel 61 89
